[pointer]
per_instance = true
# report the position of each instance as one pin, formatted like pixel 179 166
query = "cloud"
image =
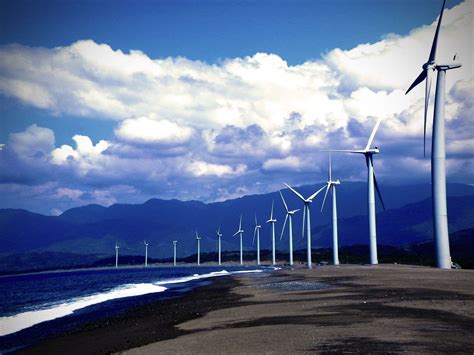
pixel 201 168
pixel 192 130
pixel 145 130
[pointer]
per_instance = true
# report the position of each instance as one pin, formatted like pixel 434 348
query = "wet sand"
pixel 355 309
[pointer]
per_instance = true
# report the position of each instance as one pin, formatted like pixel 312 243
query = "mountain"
pixel 93 230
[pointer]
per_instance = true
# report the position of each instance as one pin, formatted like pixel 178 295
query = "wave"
pixel 20 321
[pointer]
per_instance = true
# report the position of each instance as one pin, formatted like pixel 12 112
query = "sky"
pixel 122 101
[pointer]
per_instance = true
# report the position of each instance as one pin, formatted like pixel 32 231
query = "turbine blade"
pixel 432 57
pixel 284 225
pixel 304 218
pixel 282 198
pixel 377 187
pixel 240 223
pixel 295 192
pixel 236 233
pixel 372 135
pixel 254 234
pixel 360 151
pixel 316 193
pixel 330 176
pixel 271 213
pixel 427 101
pixel 325 195
pixel 418 80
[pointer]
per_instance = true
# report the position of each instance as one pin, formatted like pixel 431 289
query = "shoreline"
pixel 353 308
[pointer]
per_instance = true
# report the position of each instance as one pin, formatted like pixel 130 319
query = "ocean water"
pixel 30 301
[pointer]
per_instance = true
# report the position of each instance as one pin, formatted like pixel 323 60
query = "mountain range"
pixel 93 230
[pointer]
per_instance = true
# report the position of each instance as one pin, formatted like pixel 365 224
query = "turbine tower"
pixel 198 239
pixel 219 235
pixel 241 232
pixel 438 152
pixel 368 152
pixel 289 215
pixel 116 254
pixel 331 186
pixel 146 253
pixel 174 251
pixel 256 232
pixel 306 211
pixel 272 221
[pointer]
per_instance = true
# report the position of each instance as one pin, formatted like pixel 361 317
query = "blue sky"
pixel 243 94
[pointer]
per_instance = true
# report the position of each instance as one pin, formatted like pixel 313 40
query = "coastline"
pixel 356 309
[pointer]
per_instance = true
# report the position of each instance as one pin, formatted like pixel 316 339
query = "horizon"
pixel 219 100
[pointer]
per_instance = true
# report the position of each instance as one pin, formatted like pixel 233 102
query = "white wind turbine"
pixel 219 235
pixel 256 232
pixel 198 239
pixel 331 185
pixel 241 232
pixel 289 215
pixel 174 251
pixel 116 254
pixel 146 253
pixel 306 212
pixel 272 221
pixel 368 152
pixel 438 152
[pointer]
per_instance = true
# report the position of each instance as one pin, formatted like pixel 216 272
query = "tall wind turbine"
pixel 174 251
pixel 241 232
pixel 289 215
pixel 306 212
pixel 198 239
pixel 438 152
pixel 146 253
pixel 256 232
pixel 272 221
pixel 331 186
pixel 116 254
pixel 368 152
pixel 219 235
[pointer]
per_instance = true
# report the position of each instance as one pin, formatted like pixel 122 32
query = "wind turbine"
pixel 306 211
pixel 331 186
pixel 256 232
pixel 272 221
pixel 198 238
pixel 219 235
pixel 438 152
pixel 289 215
pixel 116 254
pixel 146 253
pixel 174 251
pixel 368 152
pixel 241 232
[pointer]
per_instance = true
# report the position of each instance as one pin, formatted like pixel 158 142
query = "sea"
pixel 39 305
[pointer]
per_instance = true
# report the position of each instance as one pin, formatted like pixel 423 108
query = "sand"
pixel 351 309
pixel 354 309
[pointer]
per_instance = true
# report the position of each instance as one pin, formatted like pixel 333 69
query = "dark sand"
pixel 355 309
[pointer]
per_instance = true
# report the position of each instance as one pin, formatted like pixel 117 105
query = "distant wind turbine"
pixel 198 239
pixel 272 221
pixel 256 232
pixel 241 232
pixel 289 215
pixel 174 251
pixel 368 152
pixel 146 253
pixel 438 152
pixel 331 186
pixel 306 212
pixel 116 254
pixel 219 235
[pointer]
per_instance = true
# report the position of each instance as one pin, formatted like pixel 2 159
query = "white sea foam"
pixel 17 322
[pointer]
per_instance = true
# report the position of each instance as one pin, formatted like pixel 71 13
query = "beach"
pixel 350 308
